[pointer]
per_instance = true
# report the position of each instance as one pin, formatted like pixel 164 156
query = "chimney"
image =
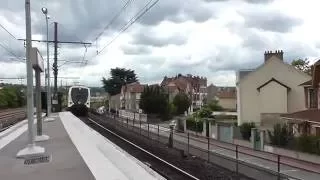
pixel 269 54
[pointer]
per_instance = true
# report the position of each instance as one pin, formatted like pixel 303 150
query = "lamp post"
pixel 45 12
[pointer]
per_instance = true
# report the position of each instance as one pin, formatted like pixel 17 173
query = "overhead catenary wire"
pixel 114 18
pixel 12 53
pixel 8 32
pixel 135 18
pixel 81 40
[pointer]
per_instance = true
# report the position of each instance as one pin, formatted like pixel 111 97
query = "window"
pixel 312 98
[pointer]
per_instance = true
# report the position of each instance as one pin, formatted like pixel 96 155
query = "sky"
pixel 209 38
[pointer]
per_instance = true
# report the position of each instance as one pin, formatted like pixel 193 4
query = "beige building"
pixel 270 90
pixel 227 98
pixel 130 96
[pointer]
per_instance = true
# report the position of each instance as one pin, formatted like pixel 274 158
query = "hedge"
pixel 193 125
pixel 308 144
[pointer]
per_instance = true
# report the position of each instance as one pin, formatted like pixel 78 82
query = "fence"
pixel 240 159
pixel 133 115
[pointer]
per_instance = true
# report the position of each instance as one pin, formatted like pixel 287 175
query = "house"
pixel 227 98
pixel 130 96
pixel 308 120
pixel 272 89
pixel 194 86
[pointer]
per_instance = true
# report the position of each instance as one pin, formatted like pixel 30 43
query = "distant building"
pixel 268 91
pixel 194 86
pixel 227 96
pixel 130 96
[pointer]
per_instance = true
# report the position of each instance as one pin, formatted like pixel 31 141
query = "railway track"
pixel 10 117
pixel 163 167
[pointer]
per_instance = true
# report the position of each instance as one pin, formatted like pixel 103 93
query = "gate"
pixel 224 133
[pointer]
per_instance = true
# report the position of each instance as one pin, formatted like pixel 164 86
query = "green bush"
pixel 308 143
pixel 204 113
pixel 245 130
pixel 194 125
pixel 281 135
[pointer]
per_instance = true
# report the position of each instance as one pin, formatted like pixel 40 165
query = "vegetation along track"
pixel 10 117
pixel 166 161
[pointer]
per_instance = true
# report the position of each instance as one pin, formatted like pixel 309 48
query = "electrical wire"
pixel 12 53
pixel 114 18
pixel 8 32
pixel 144 10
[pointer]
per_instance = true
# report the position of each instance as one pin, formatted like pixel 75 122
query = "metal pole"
pixel 48 72
pixel 278 166
pixel 158 134
pixel 38 103
pixel 29 75
pixel 55 68
pixel 31 149
pixel 188 142
pixel 208 149
pixel 237 162
pixel 148 130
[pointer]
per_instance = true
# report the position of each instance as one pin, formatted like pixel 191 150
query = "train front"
pixel 79 100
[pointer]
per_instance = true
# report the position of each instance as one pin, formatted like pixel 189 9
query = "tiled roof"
pixel 226 92
pixel 309 115
pixel 135 87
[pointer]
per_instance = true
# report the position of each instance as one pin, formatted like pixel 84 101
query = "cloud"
pixel 270 20
pixel 135 49
pixel 145 38
pixel 259 1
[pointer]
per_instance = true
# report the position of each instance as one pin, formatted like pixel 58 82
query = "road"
pixel 260 159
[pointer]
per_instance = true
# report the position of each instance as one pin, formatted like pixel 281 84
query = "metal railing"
pixel 240 159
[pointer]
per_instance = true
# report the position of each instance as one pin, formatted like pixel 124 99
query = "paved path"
pixel 262 159
pixel 66 161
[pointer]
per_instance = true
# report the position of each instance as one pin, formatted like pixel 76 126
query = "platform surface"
pixel 77 153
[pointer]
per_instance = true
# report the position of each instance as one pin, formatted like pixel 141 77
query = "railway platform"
pixel 73 152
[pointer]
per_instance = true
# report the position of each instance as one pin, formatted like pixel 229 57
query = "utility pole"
pixel 31 148
pixel 55 64
pixel 55 69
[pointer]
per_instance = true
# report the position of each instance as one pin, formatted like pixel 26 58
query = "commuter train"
pixel 79 100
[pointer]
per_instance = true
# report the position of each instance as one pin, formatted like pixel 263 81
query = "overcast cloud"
pixel 211 38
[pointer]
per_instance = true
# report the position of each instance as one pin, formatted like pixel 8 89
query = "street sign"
pixel 37 60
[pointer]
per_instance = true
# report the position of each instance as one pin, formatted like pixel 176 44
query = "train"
pixel 79 100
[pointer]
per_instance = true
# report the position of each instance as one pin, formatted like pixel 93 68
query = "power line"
pixel 7 31
pixel 12 53
pixel 144 10
pixel 114 18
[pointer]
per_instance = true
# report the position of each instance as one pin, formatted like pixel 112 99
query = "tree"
pixel 119 77
pixel 302 65
pixel 182 102
pixel 154 100
pixel 214 105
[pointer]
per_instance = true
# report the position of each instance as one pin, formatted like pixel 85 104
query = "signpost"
pixel 38 66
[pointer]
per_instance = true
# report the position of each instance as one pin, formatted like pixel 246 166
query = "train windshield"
pixel 79 95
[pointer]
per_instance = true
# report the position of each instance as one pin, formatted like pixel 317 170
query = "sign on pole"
pixel 37 60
